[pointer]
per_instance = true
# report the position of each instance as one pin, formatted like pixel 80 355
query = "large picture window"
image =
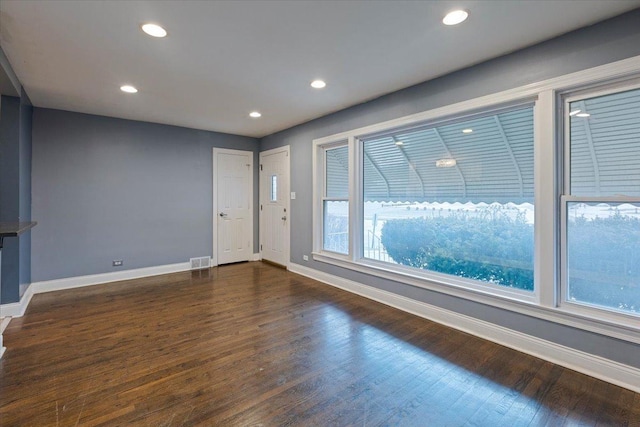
pixel 455 198
pixel 602 201
pixel 527 200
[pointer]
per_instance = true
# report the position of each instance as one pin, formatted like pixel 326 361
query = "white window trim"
pixel 443 280
pixel 319 196
pixel 567 97
pixel 545 159
pixel 545 302
pixel 356 204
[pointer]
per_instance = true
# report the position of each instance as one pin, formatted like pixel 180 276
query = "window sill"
pixel 519 302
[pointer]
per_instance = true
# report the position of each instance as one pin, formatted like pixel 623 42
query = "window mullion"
pixel 546 205
pixel 355 199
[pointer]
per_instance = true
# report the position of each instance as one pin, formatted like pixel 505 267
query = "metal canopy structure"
pixel 494 157
pixel 605 145
pixel 493 162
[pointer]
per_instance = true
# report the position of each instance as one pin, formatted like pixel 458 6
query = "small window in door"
pixel 274 188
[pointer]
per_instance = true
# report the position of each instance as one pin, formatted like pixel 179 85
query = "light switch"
pixel 293 195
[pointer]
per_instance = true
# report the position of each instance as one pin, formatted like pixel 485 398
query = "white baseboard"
pixel 604 369
pixel 17 309
pixel 4 323
pixel 97 279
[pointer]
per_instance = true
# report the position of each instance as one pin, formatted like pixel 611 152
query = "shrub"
pixel 491 245
pixel 604 261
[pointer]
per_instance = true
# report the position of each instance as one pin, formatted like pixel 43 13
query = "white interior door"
pixel 232 205
pixel 274 205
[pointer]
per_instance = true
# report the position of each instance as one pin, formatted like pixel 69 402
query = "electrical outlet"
pixel 117 263
pixel 305 257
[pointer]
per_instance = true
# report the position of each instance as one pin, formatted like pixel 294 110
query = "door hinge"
pixel 260 247
pixel 261 166
pixel 260 207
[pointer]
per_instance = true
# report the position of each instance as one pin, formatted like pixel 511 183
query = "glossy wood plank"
pixel 252 344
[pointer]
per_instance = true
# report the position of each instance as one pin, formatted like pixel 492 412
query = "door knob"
pixel 222 214
pixel 284 218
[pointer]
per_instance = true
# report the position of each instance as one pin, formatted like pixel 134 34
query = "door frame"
pixel 214 217
pixel 287 198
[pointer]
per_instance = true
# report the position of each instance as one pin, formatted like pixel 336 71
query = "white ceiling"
pixel 223 59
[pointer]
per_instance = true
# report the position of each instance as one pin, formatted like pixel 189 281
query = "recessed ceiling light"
pixel 455 17
pixel 467 130
pixel 154 30
pixel 128 89
pixel 318 84
pixel 583 115
pixel 255 114
pixel 574 112
pixel 399 143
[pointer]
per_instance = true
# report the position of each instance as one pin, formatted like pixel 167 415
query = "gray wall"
pixel 15 192
pixel 9 194
pixel 9 162
pixel 24 189
pixel 606 42
pixel 106 189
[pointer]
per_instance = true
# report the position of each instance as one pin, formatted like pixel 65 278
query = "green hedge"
pixel 495 246
pixel 490 245
pixel 604 261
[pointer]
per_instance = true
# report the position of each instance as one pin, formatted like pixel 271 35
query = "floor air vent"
pixel 200 263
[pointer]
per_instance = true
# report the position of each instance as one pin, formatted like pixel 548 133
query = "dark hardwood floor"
pixel 254 345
